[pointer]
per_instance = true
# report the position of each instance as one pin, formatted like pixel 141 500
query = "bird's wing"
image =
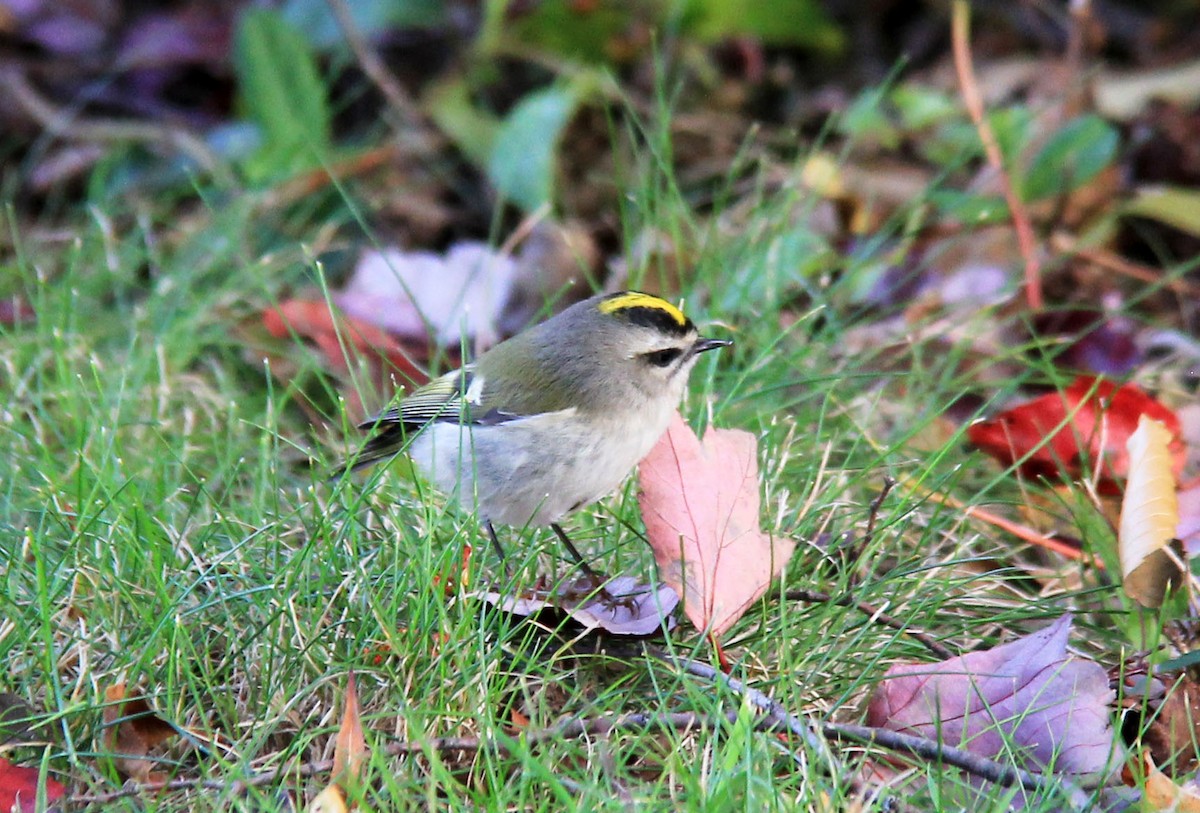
pixel 460 396
pixel 439 400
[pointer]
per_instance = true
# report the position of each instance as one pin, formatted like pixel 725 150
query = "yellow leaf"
pixel 1149 515
pixel 330 800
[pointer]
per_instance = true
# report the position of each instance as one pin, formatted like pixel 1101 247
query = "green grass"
pixel 160 525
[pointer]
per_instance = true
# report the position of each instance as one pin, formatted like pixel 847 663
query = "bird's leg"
pixel 491 529
pixel 596 579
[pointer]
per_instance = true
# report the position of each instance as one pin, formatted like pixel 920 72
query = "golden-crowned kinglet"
pixel 552 419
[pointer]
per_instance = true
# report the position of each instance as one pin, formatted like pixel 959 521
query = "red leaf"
pixel 700 503
pixel 19 786
pixel 329 331
pixel 1089 421
pixel 1027 696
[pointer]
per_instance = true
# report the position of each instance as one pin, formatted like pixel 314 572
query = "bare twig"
pixel 960 23
pixel 571 729
pixel 927 749
pixel 776 718
pixel 1066 243
pixel 69 125
pixel 855 551
pixel 973 764
pixel 873 515
pixel 408 110
pixel 875 614
pixel 763 702
pixel 1022 532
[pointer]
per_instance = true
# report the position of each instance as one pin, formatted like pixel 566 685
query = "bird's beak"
pixel 703 345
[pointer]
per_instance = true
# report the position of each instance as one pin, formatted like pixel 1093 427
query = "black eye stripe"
pixel 664 357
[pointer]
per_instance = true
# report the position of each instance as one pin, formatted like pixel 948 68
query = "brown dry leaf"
pixel 1159 792
pixel 350 748
pixel 132 729
pixel 700 503
pixel 349 751
pixel 1149 515
pixel 15 718
pixel 1172 735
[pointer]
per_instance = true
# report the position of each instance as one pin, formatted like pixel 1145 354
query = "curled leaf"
pixel 623 607
pixel 350 749
pixel 1149 515
pixel 133 730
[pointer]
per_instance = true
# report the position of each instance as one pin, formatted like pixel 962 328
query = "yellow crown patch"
pixel 636 299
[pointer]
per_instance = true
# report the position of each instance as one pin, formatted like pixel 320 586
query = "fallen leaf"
pixel 1149 516
pixel 338 335
pixel 132 729
pixel 700 503
pixel 19 788
pixel 622 607
pixel 1089 422
pixel 1103 341
pixel 1173 731
pixel 456 298
pixel 1188 529
pixel 1027 699
pixel 330 800
pixel 1159 791
pixel 15 310
pixel 350 748
pixel 15 718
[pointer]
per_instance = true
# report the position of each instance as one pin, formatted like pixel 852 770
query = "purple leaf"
pixel 1050 708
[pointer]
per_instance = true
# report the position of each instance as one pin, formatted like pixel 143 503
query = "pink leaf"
pixel 700 503
pixel 1048 705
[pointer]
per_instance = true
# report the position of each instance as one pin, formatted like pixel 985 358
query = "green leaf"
pixel 576 33
pixel 521 164
pixel 969 208
pixel 781 22
pixel 472 128
pixel 1075 154
pixel 920 107
pixel 1173 206
pixel 281 91
pixel 865 120
pixel 1010 126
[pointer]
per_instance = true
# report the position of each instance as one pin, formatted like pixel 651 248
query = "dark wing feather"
pixel 439 400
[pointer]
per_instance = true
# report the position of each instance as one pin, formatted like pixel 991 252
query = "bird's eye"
pixel 664 357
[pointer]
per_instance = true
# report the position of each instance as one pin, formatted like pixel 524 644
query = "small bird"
pixel 552 419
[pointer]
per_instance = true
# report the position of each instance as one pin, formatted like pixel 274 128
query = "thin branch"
pixel 875 614
pixel 1114 262
pixel 926 749
pixel 773 709
pixel 855 552
pixel 74 127
pixel 408 110
pixel 776 719
pixel 570 729
pixel 937 752
pixel 960 25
